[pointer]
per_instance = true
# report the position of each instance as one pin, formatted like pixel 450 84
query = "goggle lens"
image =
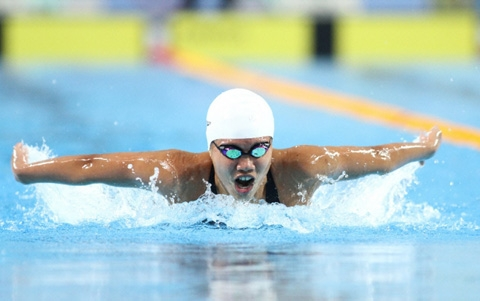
pixel 258 151
pixel 231 153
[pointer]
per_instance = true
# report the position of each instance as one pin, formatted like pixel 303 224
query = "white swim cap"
pixel 239 114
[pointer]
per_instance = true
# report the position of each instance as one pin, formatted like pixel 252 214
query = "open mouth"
pixel 244 183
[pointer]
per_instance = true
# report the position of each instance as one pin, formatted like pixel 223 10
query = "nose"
pixel 245 164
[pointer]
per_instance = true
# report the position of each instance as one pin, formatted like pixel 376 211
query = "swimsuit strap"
pixel 271 188
pixel 211 180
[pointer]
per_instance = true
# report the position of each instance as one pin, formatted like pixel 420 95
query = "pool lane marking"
pixel 356 107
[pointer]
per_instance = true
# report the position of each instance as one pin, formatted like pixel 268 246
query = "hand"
pixel 19 158
pixel 432 140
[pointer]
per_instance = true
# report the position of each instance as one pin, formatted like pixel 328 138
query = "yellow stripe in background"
pixel 231 35
pixel 433 36
pixel 74 39
pixel 334 102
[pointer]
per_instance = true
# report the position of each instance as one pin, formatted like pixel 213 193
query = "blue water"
pixel 412 234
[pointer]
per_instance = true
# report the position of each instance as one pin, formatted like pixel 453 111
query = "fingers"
pixel 18 147
pixel 432 138
pixel 435 136
pixel 19 156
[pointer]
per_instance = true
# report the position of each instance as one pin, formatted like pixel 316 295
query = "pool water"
pixel 411 234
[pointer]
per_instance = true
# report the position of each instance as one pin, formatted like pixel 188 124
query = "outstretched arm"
pixel 142 169
pixel 120 169
pixel 354 162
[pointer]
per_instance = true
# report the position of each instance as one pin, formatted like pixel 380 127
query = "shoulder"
pixel 302 163
pixel 175 154
pixel 298 155
pixel 300 169
pixel 295 162
pixel 184 161
pixel 292 172
pixel 187 173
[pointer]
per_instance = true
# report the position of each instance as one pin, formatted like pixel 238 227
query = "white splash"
pixel 371 201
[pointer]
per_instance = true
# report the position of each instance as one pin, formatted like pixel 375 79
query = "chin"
pixel 242 197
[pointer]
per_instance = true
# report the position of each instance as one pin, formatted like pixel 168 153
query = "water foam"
pixel 371 201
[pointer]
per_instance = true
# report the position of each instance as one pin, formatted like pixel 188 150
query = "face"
pixel 244 177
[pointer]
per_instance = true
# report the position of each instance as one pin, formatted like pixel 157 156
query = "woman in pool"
pixel 240 161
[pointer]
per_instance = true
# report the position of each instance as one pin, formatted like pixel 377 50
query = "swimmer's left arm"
pixel 354 162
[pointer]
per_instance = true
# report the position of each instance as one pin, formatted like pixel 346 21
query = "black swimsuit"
pixel 272 193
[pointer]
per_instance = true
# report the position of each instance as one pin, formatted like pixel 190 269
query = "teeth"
pixel 244 181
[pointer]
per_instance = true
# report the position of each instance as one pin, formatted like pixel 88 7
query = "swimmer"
pixel 241 160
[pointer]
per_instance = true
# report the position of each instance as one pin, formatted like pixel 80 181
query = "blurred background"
pixel 96 76
pixel 282 30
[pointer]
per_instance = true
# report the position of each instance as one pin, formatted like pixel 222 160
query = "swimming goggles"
pixel 233 152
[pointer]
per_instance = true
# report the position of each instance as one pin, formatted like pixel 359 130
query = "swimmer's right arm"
pixel 118 169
